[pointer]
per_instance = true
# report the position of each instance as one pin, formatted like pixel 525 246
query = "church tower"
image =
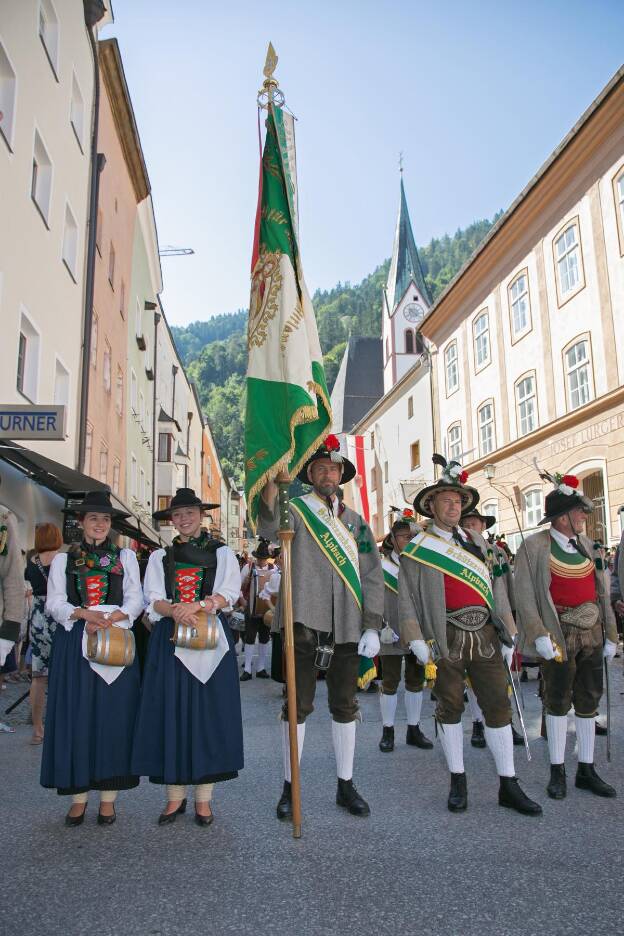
pixel 406 301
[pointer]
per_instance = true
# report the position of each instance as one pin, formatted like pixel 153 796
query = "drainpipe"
pixel 94 10
pixel 154 414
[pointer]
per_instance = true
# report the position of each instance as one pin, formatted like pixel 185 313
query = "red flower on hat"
pixel 407 513
pixel 332 444
pixel 463 477
pixel 571 481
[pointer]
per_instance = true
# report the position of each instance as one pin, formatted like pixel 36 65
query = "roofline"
pixel 395 391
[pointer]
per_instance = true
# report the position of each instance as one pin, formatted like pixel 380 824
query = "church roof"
pixel 359 382
pixel 405 264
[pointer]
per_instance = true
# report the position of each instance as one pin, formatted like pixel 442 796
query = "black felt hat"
pixel 262 551
pixel 96 502
pixel 488 519
pixel 329 449
pixel 557 504
pixel 453 478
pixel 183 497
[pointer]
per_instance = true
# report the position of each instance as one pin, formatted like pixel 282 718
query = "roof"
pixel 359 383
pixel 405 263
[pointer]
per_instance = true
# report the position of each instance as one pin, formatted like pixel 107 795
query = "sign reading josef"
pixel 19 422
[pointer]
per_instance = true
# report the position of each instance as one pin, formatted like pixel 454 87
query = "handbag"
pixel 111 646
pixel 203 634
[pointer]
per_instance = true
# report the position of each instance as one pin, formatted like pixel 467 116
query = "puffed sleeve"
pixel 57 605
pixel 154 584
pixel 227 581
pixel 132 605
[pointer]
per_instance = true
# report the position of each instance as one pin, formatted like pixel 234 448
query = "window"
pixel 98 232
pixel 490 509
pixel 409 341
pixel 481 331
pixel 519 302
pixel 41 180
pixel 111 266
pixel 119 382
pixel 138 320
pixel 133 477
pixel 454 442
pixel 76 112
pixel 141 410
pixel 533 507
pixel 88 449
pixel 103 464
pixel 142 485
pixel 106 369
pixel 27 359
pixel 385 472
pixel 49 33
pixel 61 384
pixel 209 471
pixel 165 446
pixel 567 254
pixel 373 478
pixel 134 394
pixel 387 348
pixel 372 441
pixel 415 455
pixel 163 504
pixel 618 190
pixel 526 405
pixel 578 373
pixel 122 300
pixel 451 367
pixel 70 242
pixel 410 407
pixel 116 474
pixel 8 87
pixel 94 340
pixel 487 442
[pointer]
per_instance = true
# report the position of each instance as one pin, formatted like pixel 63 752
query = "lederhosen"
pixel 254 624
pixel 392 655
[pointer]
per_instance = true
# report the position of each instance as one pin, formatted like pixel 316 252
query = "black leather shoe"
pixel 511 795
pixel 416 738
pixel 478 735
pixel 284 806
pixel 203 820
pixel 387 740
pixel 458 796
pixel 557 789
pixel 601 729
pixel 518 739
pixel 167 818
pixel 245 676
pixel 262 674
pixel 588 779
pixel 75 820
pixel 348 796
pixel 106 820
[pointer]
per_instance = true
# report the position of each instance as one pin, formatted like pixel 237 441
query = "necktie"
pixel 579 548
pixel 468 545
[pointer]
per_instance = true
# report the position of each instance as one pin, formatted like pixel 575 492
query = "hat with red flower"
pixel 404 522
pixel 453 478
pixel 329 449
pixel 564 497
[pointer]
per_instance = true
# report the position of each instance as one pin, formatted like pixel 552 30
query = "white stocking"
pixel 452 741
pixel 413 706
pixel 388 704
pixel 344 748
pixel 500 743
pixel 286 746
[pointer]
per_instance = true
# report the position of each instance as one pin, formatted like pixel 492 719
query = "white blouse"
pixel 61 609
pixel 227 580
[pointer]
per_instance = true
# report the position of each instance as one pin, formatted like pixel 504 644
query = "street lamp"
pixel 489 471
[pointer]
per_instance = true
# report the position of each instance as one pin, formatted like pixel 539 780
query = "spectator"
pixel 11 593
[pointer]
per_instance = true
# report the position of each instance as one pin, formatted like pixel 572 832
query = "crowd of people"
pixel 439 602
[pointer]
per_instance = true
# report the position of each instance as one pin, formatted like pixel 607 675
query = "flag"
pixel 288 412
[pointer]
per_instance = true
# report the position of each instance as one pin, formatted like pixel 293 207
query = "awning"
pixel 69 483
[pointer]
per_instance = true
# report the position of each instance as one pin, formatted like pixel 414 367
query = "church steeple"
pixel 405 264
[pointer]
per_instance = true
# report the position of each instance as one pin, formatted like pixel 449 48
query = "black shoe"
pixel 458 796
pixel 348 796
pixel 167 818
pixel 543 729
pixel 524 676
pixel 262 674
pixel 478 735
pixel 203 820
pixel 588 779
pixel 106 820
pixel 387 740
pixel 284 806
pixel 245 677
pixel 75 820
pixel 600 729
pixel 518 739
pixel 557 789
pixel 511 795
pixel 416 738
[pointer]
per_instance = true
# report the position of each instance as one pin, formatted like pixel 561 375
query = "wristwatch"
pixel 202 604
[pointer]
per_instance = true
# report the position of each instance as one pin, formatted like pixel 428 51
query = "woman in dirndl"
pixel 91 705
pixel 189 728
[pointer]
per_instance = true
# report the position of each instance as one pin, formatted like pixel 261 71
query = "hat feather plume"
pixel 544 475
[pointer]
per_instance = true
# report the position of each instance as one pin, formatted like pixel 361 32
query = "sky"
pixel 475 95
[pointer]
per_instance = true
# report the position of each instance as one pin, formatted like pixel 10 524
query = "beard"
pixel 326 489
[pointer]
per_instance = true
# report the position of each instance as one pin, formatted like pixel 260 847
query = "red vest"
pixel 458 595
pixel 572 580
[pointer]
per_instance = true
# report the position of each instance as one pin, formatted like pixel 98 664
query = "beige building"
pixel 530 335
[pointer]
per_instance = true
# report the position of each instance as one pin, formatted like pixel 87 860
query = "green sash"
pixel 451 559
pixel 391 575
pixel 333 539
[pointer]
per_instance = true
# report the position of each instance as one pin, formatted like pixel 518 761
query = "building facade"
pixel 530 336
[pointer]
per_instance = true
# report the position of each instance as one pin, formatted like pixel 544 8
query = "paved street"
pixel 411 868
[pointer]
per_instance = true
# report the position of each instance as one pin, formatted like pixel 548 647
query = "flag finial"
pixel 270 92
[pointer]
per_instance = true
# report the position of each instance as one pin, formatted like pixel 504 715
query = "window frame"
pixel 533 376
pixel 619 206
pixel 525 508
pixel 455 425
pixel 409 334
pixel 38 178
pixel 410 407
pixel 52 54
pixel 72 272
pixel 583 337
pixel 88 452
pixel 107 371
pixel 451 345
pixel 516 336
pixel 491 508
pixel 7 126
pixel 112 257
pixel 492 422
pixel 562 298
pixel 119 391
pixel 31 368
pixel 79 134
pixel 482 314
pixel 415 449
pixel 103 455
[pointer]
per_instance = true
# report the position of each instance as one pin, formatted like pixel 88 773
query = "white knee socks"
pixel 249 655
pixel 585 737
pixel 175 793
pixel 500 743
pixel 388 704
pixel 286 746
pixel 452 741
pixel 108 796
pixel 203 792
pixel 556 729
pixel 413 706
pixel 475 708
pixel 263 655
pixel 79 798
pixel 344 748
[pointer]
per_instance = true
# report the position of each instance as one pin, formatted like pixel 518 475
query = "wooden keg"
pixel 111 646
pixel 202 635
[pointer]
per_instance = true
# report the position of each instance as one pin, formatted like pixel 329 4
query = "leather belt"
pixel 470 618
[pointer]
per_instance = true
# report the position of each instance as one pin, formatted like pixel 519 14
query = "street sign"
pixel 29 422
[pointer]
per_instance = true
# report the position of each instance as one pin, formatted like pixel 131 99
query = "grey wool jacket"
pixel 422 606
pixel 320 596
pixel 536 613
pixel 11 581
pixel 391 617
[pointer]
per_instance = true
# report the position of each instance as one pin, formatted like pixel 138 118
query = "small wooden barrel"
pixel 111 646
pixel 202 635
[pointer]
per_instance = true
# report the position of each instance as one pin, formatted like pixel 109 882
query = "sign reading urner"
pixel 19 422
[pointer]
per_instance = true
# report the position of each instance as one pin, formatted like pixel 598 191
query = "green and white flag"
pixel 288 412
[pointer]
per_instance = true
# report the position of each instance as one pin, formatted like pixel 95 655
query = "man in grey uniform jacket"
pixel 338 600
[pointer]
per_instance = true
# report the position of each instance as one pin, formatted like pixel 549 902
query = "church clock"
pixel 414 312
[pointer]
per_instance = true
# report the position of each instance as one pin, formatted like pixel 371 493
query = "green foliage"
pixel 225 410
pixel 191 339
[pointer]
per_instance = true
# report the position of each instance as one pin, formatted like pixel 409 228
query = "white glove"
pixel 420 650
pixel 369 644
pixel 544 647
pixel 609 650
pixel 5 648
pixel 508 653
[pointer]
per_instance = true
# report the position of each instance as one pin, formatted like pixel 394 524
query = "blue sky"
pixel 475 94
